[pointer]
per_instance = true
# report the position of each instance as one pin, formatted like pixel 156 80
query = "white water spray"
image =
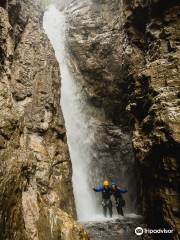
pixel 79 134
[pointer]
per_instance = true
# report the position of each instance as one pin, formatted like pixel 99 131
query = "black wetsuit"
pixel 120 202
pixel 106 199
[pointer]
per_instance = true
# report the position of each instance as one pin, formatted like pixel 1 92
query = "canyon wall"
pixel 126 55
pixel 95 57
pixel 152 33
pixel 36 199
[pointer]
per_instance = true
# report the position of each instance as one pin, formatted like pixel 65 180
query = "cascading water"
pixel 79 130
pixel 81 135
pixel 89 162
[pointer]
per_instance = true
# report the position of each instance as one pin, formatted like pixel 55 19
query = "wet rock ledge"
pixel 36 199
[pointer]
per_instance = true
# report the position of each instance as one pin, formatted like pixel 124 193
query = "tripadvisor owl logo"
pixel 139 231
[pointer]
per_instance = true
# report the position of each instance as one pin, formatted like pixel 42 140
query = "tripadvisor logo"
pixel 139 231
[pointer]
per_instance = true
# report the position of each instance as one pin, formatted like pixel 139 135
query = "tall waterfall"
pixel 79 132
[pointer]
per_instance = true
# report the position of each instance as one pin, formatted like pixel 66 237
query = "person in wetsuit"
pixel 117 193
pixel 106 197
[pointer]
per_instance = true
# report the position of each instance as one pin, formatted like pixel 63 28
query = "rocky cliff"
pixel 36 199
pixel 126 56
pixel 154 56
pixel 95 50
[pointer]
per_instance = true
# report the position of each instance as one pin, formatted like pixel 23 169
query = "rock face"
pixel 115 229
pixel 93 43
pixel 154 69
pixel 126 56
pixel 35 170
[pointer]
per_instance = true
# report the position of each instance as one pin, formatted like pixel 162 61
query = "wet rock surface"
pixel 126 56
pixel 113 229
pixel 36 199
pixel 155 105
pixel 95 53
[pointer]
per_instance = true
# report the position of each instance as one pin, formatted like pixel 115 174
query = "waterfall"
pixel 91 162
pixel 80 134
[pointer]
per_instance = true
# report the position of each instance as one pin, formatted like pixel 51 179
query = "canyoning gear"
pixel 106 183
pixel 107 204
pixel 106 192
pixel 106 199
pixel 117 191
pixel 113 184
pixel 120 202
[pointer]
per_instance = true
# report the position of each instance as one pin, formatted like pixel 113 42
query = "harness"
pixel 106 193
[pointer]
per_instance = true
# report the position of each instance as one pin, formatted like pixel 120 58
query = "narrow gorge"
pixel 36 198
pixel 89 91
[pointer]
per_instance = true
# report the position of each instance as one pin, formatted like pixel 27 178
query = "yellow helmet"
pixel 106 183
